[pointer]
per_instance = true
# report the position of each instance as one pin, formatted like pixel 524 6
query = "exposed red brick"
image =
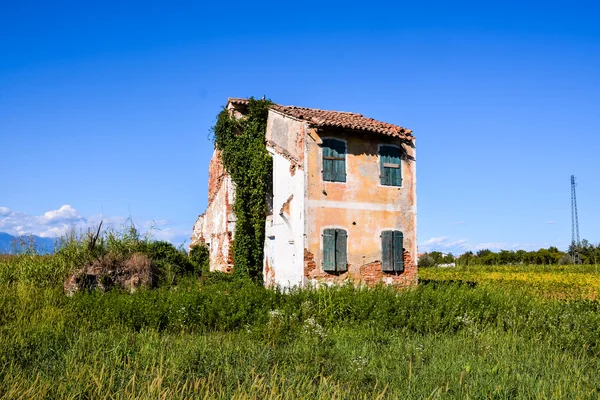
pixel 369 274
pixel 269 274
pixel 309 263
pixel 216 176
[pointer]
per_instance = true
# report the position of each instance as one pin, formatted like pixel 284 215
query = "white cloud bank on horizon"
pixel 55 223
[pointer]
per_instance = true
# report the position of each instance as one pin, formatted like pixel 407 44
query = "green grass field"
pixel 219 337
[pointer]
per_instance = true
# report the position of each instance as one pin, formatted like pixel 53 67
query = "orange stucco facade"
pixel 361 206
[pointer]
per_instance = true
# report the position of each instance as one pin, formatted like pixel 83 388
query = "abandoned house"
pixel 343 200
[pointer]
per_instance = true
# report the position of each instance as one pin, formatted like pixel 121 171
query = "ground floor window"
pixel 335 249
pixel 392 246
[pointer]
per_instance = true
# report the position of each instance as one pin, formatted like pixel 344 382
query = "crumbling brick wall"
pixel 216 226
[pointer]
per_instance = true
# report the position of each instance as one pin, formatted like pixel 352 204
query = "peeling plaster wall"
pixel 216 226
pixel 361 206
pixel 284 243
pixel 286 134
pixel 284 247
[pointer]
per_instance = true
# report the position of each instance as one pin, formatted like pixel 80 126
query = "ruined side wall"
pixel 284 243
pixel 286 134
pixel 361 206
pixel 216 226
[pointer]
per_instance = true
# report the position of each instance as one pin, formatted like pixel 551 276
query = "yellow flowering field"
pixel 556 282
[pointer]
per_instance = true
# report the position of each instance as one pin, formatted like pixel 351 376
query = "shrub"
pixel 426 261
pixel 168 261
pixel 200 257
pixel 566 260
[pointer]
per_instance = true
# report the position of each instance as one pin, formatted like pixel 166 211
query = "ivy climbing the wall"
pixel 241 142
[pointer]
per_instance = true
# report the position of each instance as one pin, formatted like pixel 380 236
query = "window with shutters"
pixel 392 249
pixel 335 258
pixel 390 166
pixel 334 160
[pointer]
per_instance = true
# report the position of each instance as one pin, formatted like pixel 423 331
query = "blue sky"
pixel 105 107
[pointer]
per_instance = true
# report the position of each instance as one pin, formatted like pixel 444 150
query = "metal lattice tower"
pixel 575 243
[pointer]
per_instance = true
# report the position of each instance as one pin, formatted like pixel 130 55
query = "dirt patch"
pixel 111 271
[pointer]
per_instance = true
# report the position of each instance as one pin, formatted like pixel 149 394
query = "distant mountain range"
pixel 16 244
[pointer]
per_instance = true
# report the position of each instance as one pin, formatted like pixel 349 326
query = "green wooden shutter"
pixel 341 257
pixel 334 160
pixel 396 177
pixel 390 166
pixel 389 172
pixel 398 251
pixel 396 173
pixel 327 164
pixel 329 250
pixel 340 164
pixel 383 170
pixel 387 253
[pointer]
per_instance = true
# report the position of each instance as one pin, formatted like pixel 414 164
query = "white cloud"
pixel 490 246
pixel 172 235
pixel 457 243
pixel 52 223
pixel 65 214
pixel 444 245
pixel 108 222
pixel 435 241
pixel 159 222
pixel 55 223
pixel 550 222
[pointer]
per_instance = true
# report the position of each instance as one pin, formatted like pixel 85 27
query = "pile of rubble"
pixel 112 271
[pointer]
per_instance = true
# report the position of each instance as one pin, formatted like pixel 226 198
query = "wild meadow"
pixel 570 282
pixel 462 333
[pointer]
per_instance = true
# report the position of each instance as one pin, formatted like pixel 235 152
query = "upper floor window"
pixel 392 249
pixel 334 160
pixel 335 247
pixel 391 169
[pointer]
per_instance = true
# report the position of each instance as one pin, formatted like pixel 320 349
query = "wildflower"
pixel 359 362
pixel 313 327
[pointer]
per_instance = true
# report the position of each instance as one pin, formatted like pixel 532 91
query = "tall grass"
pixel 219 338
pixel 216 336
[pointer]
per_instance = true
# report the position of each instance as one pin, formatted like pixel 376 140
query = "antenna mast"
pixel 575 243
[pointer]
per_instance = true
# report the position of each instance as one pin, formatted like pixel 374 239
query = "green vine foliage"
pixel 245 157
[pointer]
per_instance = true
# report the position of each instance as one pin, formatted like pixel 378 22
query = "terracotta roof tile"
pixel 337 119
pixel 237 100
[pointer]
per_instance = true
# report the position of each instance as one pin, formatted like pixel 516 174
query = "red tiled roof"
pixel 337 119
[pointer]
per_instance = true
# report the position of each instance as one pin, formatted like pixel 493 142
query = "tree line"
pixel 588 254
